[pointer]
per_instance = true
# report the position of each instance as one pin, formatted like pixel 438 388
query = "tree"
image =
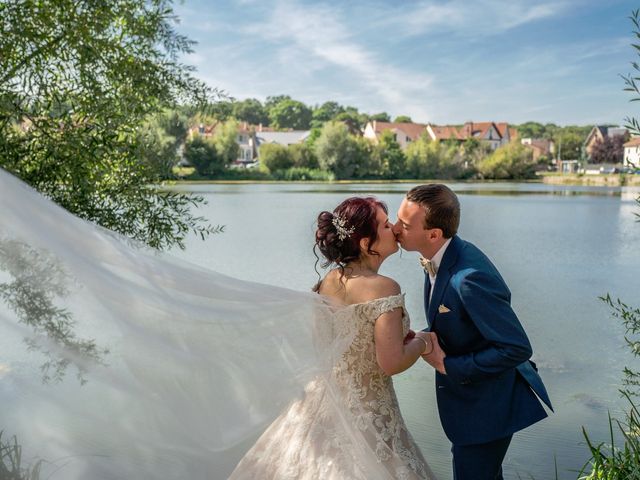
pixel 225 141
pixel 221 110
pixel 380 117
pixel 326 112
pixel 569 144
pixel 390 155
pixel 531 130
pixel 403 119
pixel 201 152
pixel 275 157
pixel 78 80
pixel 433 159
pixel 608 150
pixel 512 161
pixel 337 151
pixel 273 100
pixel 303 156
pixel 161 136
pixel 290 114
pixel 250 111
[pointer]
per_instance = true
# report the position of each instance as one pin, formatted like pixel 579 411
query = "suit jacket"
pixel 490 389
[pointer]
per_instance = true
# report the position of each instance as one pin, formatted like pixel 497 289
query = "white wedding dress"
pixel 190 372
pixel 348 425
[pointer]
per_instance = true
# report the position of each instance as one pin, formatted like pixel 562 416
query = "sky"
pixel 439 61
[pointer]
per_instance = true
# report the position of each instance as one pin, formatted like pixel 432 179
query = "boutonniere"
pixel 443 309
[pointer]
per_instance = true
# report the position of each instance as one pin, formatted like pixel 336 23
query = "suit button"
pixel 466 381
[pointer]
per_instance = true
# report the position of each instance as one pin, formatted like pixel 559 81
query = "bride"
pixel 188 368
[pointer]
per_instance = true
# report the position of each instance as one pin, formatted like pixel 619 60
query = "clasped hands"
pixel 433 354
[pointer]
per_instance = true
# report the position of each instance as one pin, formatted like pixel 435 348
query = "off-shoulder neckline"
pixel 347 305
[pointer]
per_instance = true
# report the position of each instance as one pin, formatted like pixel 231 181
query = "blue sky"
pixel 442 61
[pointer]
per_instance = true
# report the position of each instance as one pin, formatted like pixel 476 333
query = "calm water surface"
pixel 557 247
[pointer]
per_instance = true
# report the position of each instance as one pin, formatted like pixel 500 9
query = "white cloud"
pixel 317 33
pixel 480 17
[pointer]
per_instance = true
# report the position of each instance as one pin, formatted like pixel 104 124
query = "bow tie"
pixel 429 266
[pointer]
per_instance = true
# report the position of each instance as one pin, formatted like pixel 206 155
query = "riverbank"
pixel 603 180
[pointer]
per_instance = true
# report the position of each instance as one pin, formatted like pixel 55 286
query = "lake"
pixel 558 248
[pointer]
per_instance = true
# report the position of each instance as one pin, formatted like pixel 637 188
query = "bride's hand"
pixel 428 343
pixel 409 336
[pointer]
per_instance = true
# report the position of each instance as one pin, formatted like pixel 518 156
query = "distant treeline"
pixel 335 150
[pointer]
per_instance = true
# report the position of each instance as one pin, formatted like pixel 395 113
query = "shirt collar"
pixel 437 258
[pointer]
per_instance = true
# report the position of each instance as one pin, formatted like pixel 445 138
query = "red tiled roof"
pixel 413 130
pixel 446 132
pixel 634 142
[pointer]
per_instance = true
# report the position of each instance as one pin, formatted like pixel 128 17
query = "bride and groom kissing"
pixel 348 425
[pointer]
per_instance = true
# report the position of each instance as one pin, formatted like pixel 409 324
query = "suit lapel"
pixel 442 278
pixel 425 296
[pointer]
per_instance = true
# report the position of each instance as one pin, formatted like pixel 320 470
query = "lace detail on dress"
pixel 355 406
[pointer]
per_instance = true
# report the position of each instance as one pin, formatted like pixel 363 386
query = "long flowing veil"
pixel 122 363
pixel 119 362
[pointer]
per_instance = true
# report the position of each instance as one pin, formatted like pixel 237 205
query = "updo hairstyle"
pixel 358 215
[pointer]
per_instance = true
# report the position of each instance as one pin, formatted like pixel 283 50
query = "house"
pixel 540 147
pixel 282 138
pixel 403 133
pixel 632 153
pixel 490 133
pixel 598 133
pixel 250 137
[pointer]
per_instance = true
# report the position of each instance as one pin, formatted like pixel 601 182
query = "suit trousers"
pixel 480 462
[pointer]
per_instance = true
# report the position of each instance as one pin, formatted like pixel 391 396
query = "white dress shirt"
pixel 436 259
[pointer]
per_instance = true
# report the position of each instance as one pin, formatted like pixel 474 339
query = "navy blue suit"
pixel 487 393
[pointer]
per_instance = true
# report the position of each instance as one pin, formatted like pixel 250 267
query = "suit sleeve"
pixel 486 300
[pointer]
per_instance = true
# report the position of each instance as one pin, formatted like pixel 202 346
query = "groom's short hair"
pixel 441 205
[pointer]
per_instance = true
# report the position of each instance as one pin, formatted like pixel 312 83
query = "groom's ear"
pixel 435 234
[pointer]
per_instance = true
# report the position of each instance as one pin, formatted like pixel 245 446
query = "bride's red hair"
pixel 359 217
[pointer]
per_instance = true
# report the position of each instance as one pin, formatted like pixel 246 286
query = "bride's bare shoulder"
pixel 377 286
pixel 358 289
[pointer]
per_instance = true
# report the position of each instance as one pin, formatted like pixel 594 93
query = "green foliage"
pixel 531 130
pixel 251 111
pixel 159 139
pixel 225 139
pixel 303 155
pixel 11 467
pixel 390 155
pixel 380 117
pixel 326 112
pixel 354 120
pixel 275 157
pixel 609 462
pixel 303 174
pixel 290 113
pixel 338 151
pixel 569 144
pixel 221 110
pixel 78 81
pixel 512 161
pixel 201 152
pixel 432 159
pixel 403 119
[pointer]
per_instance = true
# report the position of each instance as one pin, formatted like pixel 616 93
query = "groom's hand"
pixel 436 357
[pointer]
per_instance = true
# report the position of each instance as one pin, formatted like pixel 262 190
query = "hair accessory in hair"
pixel 340 224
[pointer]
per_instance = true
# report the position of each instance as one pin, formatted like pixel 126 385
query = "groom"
pixel 486 387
